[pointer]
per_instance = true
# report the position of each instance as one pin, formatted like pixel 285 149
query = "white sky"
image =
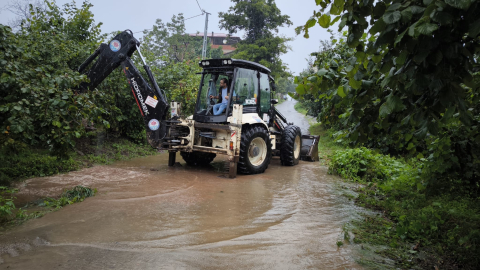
pixel 141 14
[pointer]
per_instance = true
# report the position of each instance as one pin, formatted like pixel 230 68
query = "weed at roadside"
pixel 10 215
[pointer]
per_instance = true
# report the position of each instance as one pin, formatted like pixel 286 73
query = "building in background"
pixel 219 39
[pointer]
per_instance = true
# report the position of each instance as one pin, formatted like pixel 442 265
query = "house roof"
pixel 212 35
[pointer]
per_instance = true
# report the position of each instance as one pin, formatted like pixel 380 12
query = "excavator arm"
pixel 151 101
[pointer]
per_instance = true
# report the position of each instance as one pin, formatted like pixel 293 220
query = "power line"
pixel 199 6
pixel 183 20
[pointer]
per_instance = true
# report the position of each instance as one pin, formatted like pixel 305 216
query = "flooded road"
pixel 147 215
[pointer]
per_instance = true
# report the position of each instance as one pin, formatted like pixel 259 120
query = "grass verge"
pixel 414 228
pixel 299 107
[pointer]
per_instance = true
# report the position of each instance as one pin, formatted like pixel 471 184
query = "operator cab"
pixel 249 84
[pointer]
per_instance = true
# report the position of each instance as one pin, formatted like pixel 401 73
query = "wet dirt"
pixel 147 215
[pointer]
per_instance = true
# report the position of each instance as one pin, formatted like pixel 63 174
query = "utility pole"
pixel 204 49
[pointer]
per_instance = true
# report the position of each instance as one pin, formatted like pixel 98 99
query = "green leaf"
pixel 448 115
pixel 408 137
pixel 392 17
pixel 444 18
pixel 399 37
pixel 337 7
pixel 379 26
pixel 311 22
pixel 410 146
pixel 411 29
pixel 379 9
pixel 400 60
pixel 342 23
pixel 376 58
pixel 392 104
pixel 340 92
pixel 461 4
pixel 18 108
pixel 420 56
pixel 416 9
pixel 407 15
pixel 394 7
pixel 322 72
pixel 324 21
pixel 425 29
pixel 300 89
pixel 335 20
pixel 355 84
pixel 474 29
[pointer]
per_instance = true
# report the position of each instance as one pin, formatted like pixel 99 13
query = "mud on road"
pixel 147 215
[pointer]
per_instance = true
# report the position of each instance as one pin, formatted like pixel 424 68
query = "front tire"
pixel 197 158
pixel 290 146
pixel 255 150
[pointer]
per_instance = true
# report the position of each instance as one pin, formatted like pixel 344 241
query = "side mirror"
pixel 274 101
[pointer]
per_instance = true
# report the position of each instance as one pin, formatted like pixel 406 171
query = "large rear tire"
pixel 290 145
pixel 255 150
pixel 197 158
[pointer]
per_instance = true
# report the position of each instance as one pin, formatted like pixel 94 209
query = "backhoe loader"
pixel 248 130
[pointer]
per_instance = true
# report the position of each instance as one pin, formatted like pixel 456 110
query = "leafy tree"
pixel 410 79
pixel 260 20
pixel 171 40
pixel 38 103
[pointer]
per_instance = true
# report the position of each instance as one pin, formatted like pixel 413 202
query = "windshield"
pixel 211 87
pixel 245 90
pixel 246 87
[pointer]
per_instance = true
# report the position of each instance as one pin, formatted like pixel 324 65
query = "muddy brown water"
pixel 147 215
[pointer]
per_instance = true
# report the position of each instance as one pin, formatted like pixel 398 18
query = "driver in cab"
pixel 223 96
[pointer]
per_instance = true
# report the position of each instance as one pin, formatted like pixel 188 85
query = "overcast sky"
pixel 141 14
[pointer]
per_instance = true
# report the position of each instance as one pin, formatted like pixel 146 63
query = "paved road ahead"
pixel 151 216
pixel 288 110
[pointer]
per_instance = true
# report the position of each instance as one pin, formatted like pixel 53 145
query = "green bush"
pixel 6 203
pixel 27 163
pixel 446 224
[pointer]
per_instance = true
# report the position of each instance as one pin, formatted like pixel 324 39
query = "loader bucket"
pixel 309 151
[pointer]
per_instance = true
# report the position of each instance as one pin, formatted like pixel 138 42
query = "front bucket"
pixel 309 151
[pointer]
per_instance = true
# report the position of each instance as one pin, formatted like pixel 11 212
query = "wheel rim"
pixel 257 151
pixel 296 147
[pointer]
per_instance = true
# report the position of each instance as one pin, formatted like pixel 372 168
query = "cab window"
pixel 246 87
pixel 265 98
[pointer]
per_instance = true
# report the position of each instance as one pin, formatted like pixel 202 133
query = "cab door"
pixel 265 97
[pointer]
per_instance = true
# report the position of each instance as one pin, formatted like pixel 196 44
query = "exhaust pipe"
pixel 309 151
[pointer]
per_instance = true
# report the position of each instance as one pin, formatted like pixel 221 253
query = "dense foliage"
pixel 402 81
pixel 260 20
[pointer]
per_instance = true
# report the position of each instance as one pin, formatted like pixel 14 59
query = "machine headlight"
pixel 224 62
pixel 230 62
pixel 207 63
